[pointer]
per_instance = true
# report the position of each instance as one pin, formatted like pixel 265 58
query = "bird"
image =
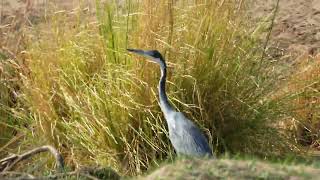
pixel 186 138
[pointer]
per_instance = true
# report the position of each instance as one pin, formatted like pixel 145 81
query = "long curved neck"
pixel 164 102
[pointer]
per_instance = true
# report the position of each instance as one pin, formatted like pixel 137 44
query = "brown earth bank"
pixel 17 16
pixel 296 27
pixel 295 43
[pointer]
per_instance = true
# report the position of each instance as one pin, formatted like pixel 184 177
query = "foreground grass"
pixel 232 169
pixel 193 168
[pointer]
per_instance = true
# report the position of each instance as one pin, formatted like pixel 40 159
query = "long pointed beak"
pixel 145 54
pixel 138 51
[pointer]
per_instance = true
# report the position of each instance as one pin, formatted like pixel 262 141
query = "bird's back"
pixel 186 137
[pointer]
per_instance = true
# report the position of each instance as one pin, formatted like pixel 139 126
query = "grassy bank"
pixel 226 168
pixel 80 91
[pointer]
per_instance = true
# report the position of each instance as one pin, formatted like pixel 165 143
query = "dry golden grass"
pixel 303 87
pixel 81 92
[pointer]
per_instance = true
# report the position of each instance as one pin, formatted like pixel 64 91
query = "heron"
pixel 186 138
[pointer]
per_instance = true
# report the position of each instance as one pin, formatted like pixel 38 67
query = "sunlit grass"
pixel 302 90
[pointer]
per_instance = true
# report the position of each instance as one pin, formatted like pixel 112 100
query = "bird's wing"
pixel 192 135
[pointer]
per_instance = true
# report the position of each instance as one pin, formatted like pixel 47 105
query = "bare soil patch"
pixel 296 30
pixel 297 25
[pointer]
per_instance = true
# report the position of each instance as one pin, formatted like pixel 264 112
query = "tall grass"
pixel 87 96
pixel 7 100
pixel 303 123
pixel 216 73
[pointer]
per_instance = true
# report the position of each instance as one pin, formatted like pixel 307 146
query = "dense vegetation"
pixel 78 89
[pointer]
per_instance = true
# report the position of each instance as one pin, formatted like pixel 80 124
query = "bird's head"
pixel 152 55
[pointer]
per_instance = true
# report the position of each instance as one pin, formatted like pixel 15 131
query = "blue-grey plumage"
pixel 184 135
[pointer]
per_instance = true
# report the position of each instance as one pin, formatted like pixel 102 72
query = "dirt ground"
pixel 296 30
pixel 297 25
pixel 15 14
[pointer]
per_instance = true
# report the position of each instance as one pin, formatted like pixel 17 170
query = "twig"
pixel 11 161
